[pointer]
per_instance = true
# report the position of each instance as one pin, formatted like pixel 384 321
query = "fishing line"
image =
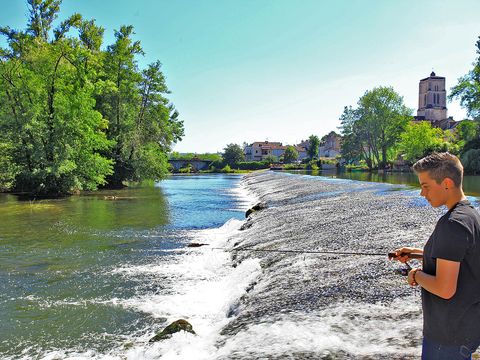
pixel 323 252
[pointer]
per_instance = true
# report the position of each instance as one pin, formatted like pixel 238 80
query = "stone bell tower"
pixel 432 99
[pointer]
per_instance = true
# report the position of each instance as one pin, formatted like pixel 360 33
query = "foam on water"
pixel 339 328
pixel 203 287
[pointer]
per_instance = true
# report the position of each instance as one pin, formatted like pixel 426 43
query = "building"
pixel 432 102
pixel 330 145
pixel 259 150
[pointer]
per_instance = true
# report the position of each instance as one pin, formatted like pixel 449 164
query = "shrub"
pixel 186 169
pixel 312 165
pixel 252 165
pixel 227 169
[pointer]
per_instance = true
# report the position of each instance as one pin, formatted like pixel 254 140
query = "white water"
pixel 339 327
pixel 202 287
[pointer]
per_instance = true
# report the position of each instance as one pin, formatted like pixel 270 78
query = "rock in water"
pixel 174 327
pixel 259 206
pixel 196 244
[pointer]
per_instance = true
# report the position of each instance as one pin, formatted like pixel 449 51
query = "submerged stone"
pixel 196 244
pixel 176 326
pixel 259 206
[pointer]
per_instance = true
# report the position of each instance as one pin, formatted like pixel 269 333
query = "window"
pixel 425 100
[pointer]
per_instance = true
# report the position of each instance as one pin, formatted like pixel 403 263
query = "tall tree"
pixel 143 124
pixel 471 161
pixel 47 112
pixel 355 140
pixel 291 155
pixel 374 127
pixel 468 88
pixel 42 13
pixel 73 116
pixel 313 143
pixel 233 154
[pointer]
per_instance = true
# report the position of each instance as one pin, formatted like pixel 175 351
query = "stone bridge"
pixel 197 164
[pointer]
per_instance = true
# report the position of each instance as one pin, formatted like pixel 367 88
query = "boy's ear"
pixel 449 183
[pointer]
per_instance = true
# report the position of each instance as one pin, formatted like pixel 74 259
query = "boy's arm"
pixel 443 284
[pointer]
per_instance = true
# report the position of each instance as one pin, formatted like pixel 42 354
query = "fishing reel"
pixel 403 271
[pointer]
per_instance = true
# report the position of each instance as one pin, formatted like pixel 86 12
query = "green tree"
pixel 188 156
pixel 374 127
pixel 468 88
pixel 270 159
pixel 8 168
pixel 233 154
pixel 143 125
pixel 471 161
pixel 354 148
pixel 418 140
pixel 290 155
pixel 468 130
pixel 313 143
pixel 72 116
pixel 47 110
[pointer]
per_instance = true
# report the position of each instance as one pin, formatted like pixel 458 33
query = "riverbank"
pixel 307 306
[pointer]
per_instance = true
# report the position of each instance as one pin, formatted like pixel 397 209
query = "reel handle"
pixel 391 255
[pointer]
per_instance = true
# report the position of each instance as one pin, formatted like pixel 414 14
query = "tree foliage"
pixel 471 161
pixel 270 159
pixel 468 130
pixel 233 154
pixel 72 116
pixel 313 143
pixel 189 156
pixel 374 127
pixel 419 139
pixel 290 155
pixel 468 88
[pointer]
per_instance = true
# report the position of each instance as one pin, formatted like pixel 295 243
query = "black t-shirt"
pixel 456 237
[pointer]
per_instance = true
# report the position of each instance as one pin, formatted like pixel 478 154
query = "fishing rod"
pixel 391 255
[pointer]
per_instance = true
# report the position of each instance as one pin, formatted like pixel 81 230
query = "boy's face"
pixel 435 193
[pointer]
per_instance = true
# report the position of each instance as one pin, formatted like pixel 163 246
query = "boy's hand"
pixel 402 253
pixel 411 277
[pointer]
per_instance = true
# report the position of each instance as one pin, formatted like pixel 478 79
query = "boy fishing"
pixel 450 273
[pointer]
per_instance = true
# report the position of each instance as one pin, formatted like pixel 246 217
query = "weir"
pixel 306 306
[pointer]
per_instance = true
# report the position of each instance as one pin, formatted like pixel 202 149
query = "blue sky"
pixel 281 70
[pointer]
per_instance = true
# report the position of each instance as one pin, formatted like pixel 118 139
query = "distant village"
pixel 432 107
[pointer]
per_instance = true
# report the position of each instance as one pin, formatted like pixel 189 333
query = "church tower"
pixel 432 99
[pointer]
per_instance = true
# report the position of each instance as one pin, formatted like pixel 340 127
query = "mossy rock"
pixel 196 244
pixel 259 206
pixel 176 326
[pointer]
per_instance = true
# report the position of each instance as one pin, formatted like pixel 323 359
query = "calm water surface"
pixel 471 184
pixel 59 284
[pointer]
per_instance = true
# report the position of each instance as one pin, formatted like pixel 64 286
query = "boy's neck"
pixel 456 196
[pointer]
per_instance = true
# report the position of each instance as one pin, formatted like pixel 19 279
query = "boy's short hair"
pixel 441 166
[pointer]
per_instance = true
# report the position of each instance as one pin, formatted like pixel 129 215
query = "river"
pixel 95 276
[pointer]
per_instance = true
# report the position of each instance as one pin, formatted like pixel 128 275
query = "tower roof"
pixel 433 75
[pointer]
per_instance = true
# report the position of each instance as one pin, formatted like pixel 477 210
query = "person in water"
pixel 450 272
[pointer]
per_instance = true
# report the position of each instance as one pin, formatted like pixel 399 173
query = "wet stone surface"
pixel 374 311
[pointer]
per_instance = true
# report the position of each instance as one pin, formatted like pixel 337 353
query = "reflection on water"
pixel 59 288
pixel 471 184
